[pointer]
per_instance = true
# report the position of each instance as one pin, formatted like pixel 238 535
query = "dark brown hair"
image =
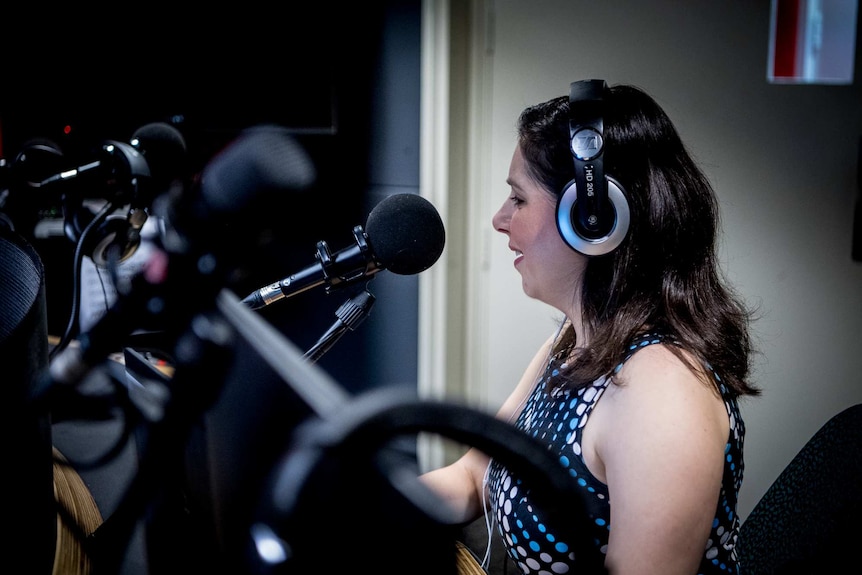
pixel 665 275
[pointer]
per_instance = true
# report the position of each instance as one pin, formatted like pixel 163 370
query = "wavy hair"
pixel 665 275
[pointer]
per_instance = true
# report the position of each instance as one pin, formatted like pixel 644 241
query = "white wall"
pixel 782 158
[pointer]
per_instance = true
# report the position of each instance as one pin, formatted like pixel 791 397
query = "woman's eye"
pixel 516 200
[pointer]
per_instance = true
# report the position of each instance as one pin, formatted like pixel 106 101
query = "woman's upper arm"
pixel 662 445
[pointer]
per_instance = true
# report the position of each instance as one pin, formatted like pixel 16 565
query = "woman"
pixel 637 391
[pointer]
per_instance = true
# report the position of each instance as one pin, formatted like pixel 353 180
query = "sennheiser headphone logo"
pixel 586 144
pixel 589 176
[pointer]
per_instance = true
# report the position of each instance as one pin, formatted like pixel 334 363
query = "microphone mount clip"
pixel 331 274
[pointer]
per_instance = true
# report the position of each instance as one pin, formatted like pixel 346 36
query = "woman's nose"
pixel 500 220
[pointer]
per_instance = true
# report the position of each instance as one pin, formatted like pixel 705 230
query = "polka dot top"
pixel 557 416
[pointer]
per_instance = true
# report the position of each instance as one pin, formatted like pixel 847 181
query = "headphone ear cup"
pixel 574 232
pixel 114 231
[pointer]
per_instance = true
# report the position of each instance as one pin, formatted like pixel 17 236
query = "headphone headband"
pixel 592 212
pixel 586 141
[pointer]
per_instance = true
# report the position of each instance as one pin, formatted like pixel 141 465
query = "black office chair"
pixel 810 519
pixel 25 435
pixel 48 508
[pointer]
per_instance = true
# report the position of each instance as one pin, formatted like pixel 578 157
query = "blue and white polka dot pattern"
pixel 557 416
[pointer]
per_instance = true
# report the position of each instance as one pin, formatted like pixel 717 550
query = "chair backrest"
pixel 25 435
pixel 808 521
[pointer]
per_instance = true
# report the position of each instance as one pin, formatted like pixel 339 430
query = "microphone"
pixel 120 163
pixel 185 274
pixel 124 173
pixel 164 149
pixel 404 234
pixel 237 195
pixel 37 157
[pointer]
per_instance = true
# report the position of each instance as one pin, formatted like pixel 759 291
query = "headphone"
pixel 127 172
pixel 592 210
pixel 111 231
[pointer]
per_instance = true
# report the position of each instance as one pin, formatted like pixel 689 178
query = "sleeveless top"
pixel 557 416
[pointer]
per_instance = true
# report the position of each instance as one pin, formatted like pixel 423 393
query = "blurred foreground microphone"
pixel 404 234
pixel 263 167
pixel 239 196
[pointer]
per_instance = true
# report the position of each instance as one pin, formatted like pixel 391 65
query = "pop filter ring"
pixel 374 418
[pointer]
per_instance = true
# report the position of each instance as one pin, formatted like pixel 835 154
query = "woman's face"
pixel 550 270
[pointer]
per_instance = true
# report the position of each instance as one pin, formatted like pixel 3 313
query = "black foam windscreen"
pixel 406 233
pixel 244 190
pixel 164 148
pixel 260 165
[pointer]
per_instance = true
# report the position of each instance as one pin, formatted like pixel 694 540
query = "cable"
pixel 72 325
pixel 489 522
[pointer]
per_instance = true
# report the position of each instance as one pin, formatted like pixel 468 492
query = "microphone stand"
pixel 208 354
pixel 350 314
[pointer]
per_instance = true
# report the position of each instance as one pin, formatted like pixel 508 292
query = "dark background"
pixel 345 80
